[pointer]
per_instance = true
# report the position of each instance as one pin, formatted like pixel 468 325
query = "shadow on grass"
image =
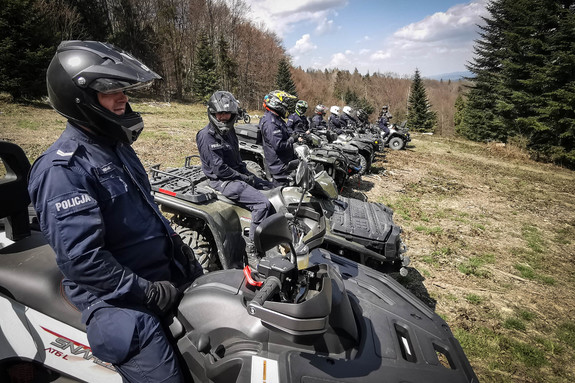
pixel 414 283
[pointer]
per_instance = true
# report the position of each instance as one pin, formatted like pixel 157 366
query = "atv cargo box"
pixel 250 133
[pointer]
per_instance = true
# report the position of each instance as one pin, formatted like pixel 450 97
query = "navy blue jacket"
pixel 95 207
pixel 384 121
pixel 334 124
pixel 220 155
pixel 317 122
pixel 297 124
pixel 346 121
pixel 277 143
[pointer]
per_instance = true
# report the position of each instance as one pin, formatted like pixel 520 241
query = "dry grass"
pixel 491 234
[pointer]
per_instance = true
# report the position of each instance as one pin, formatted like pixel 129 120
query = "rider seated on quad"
pixel 383 121
pixel 317 121
pixel 277 142
pixel 347 118
pixel 221 162
pixel 297 122
pixel 333 123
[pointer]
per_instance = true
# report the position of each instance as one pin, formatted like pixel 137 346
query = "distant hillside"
pixel 453 76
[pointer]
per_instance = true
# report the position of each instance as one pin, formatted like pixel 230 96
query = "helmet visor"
pixel 110 85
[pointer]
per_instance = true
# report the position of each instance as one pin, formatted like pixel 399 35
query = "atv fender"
pixel 229 243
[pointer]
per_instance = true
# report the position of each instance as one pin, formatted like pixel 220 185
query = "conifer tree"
pixel 284 80
pixel 420 117
pixel 205 72
pixel 524 82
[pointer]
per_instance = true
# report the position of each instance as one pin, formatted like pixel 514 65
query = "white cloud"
pixel 280 16
pixel 439 43
pixel 325 26
pixel 303 45
pixel 458 22
pixel 339 60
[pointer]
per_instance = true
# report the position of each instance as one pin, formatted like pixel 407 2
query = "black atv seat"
pixel 29 274
pixel 28 270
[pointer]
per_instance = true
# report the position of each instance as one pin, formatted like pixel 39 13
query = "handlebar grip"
pixel 271 286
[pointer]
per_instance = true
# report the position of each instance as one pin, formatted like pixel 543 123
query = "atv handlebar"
pixel 271 286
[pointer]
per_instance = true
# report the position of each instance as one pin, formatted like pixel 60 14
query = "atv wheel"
pixel 396 143
pixel 201 243
pixel 247 118
pixel 255 169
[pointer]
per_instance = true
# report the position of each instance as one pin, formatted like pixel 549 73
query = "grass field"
pixel 491 234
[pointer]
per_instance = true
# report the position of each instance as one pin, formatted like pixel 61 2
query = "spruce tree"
pixel 205 72
pixel 480 120
pixel 284 80
pixel 420 117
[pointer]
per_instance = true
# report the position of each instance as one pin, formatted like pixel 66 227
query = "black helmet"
pixel 222 101
pixel 280 102
pixel 81 69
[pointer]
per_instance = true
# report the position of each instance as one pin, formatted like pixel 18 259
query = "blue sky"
pixel 435 36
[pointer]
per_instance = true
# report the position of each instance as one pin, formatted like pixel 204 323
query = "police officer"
pixel 317 121
pixel 220 155
pixel 347 119
pixel 121 261
pixel 333 122
pixel 297 122
pixel 277 142
pixel 383 121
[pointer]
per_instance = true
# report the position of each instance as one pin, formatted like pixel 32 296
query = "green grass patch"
pixel 474 299
pixel 514 324
pixel 527 272
pixel 529 355
pixel 566 333
pixel 533 237
pixel 436 230
pixel 526 315
pixel 473 266
pixel 406 207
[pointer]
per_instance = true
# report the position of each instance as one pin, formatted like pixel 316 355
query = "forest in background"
pixel 197 46
pixel 522 89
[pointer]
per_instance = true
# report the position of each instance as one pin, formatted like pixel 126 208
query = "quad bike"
pixel 332 320
pixel 243 115
pixel 216 228
pixel 398 137
pixel 365 149
pixel 340 162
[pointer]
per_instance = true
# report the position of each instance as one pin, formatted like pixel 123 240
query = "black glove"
pixel 249 179
pixel 184 255
pixel 161 297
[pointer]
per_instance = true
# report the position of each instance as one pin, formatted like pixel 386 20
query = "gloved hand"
pixel 185 256
pixel 161 297
pixel 249 179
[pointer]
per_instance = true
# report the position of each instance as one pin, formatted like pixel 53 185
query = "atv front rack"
pixel 181 183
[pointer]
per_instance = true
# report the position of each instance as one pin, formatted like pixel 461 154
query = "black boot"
pixel 252 255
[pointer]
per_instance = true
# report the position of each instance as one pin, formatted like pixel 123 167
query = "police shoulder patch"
pixel 216 146
pixel 71 203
